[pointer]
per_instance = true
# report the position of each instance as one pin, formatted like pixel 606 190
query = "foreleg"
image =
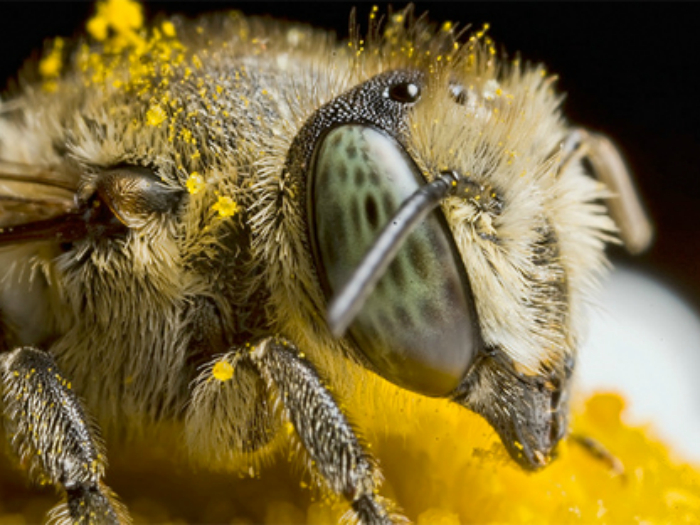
pixel 324 431
pixel 49 430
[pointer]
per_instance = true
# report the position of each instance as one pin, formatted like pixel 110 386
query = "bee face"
pixel 483 278
pixel 188 198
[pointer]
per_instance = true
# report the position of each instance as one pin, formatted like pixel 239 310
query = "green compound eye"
pixel 416 327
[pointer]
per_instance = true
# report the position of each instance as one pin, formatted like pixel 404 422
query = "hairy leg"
pixel 607 165
pixel 325 432
pixel 49 430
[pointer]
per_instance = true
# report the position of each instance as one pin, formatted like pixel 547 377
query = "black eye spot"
pixel 418 259
pixel 405 92
pixel 330 238
pixel 372 212
pixel 341 172
pixel 396 272
pixel 388 204
pixel 429 313
pixel 401 315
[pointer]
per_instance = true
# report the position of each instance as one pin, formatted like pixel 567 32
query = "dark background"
pixel 629 70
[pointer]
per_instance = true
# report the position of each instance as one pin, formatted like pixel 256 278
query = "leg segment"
pixel 608 166
pixel 53 438
pixel 219 416
pixel 596 449
pixel 323 429
pixel 230 412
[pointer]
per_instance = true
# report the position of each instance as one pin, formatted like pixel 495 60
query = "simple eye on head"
pixel 404 92
pixel 410 93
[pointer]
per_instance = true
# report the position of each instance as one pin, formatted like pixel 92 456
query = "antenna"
pixel 346 304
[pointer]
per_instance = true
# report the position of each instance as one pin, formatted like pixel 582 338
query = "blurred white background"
pixel 644 342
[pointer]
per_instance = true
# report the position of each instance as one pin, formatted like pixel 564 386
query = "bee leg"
pixel 322 427
pixel 607 165
pixel 596 449
pixel 55 441
pixel 229 408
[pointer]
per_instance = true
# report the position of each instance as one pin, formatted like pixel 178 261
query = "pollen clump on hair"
pixel 168 29
pixel 225 206
pixel 156 115
pixel 51 65
pixel 195 183
pixel 222 371
pixel 123 17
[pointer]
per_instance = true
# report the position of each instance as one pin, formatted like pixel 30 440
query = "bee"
pixel 226 223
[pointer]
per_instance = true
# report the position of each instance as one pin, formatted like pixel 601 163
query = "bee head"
pixel 450 245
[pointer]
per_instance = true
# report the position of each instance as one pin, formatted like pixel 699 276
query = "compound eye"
pixel 416 328
pixel 405 92
pixel 135 194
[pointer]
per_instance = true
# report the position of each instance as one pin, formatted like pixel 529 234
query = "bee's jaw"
pixel 530 413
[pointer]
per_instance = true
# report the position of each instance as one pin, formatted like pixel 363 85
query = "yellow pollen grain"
pixel 222 371
pixel 97 27
pixel 122 16
pixel 156 115
pixel 289 427
pixel 225 206
pixel 186 136
pixel 51 64
pixel 195 183
pixel 168 29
